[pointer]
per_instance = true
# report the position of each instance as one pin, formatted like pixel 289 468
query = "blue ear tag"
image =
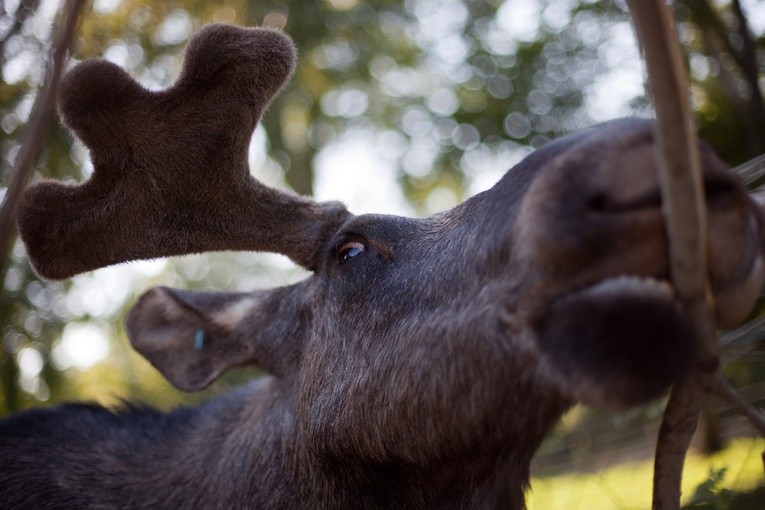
pixel 199 339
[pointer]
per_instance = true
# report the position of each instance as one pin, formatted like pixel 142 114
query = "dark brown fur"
pixel 422 373
pixel 196 133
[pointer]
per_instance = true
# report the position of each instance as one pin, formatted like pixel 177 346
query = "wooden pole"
pixel 685 217
pixel 36 127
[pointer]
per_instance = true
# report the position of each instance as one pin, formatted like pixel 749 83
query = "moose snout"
pixel 592 238
pixel 721 189
pixel 597 214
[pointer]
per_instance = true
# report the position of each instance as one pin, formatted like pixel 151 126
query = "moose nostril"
pixel 602 203
pixel 598 203
pixel 720 190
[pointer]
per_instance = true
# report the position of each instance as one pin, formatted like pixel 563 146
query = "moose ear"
pixel 195 337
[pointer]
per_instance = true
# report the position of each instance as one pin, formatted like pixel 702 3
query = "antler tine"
pixel 171 174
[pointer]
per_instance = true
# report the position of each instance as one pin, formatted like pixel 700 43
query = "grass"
pixel 708 482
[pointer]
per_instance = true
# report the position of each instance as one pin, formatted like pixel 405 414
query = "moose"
pixel 422 362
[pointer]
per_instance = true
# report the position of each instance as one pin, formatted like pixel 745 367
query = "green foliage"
pixel 731 479
pixel 711 494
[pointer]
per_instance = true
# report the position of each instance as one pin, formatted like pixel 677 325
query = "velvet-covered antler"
pixel 171 174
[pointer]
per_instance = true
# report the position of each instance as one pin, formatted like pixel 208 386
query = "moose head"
pixel 424 360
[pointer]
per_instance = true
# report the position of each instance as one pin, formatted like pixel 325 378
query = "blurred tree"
pixel 724 63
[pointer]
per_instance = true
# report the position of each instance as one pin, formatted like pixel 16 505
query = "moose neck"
pixel 270 456
pixel 252 440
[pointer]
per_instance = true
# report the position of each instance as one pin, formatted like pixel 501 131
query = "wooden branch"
pixel 36 128
pixel 679 166
pixel 684 212
pixel 751 171
pixel 682 193
pixel 729 393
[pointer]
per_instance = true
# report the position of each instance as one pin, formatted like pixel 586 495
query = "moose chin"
pixel 422 362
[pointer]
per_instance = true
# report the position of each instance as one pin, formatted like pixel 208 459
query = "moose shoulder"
pixel 422 362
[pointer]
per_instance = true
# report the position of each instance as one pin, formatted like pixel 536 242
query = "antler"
pixel 171 174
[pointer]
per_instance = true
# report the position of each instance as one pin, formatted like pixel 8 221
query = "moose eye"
pixel 349 250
